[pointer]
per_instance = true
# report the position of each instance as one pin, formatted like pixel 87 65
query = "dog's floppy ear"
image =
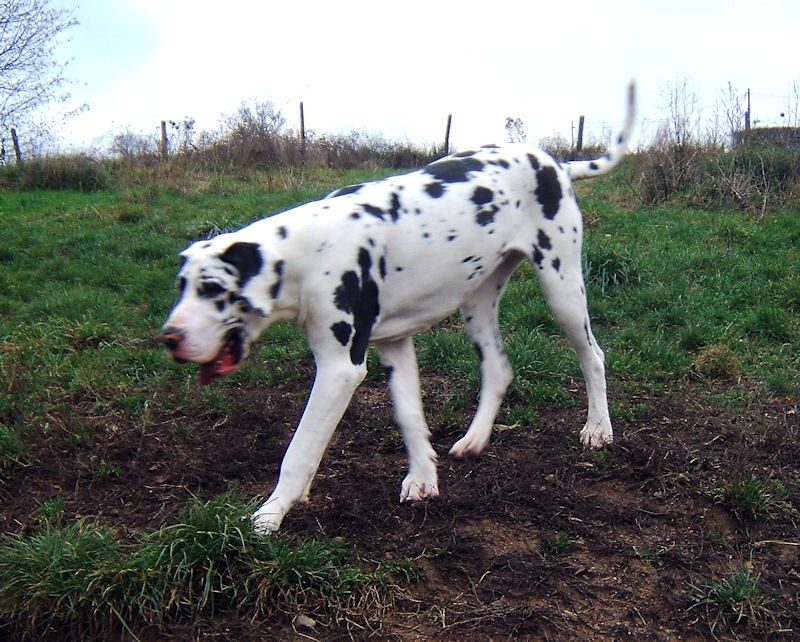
pixel 246 258
pixel 249 262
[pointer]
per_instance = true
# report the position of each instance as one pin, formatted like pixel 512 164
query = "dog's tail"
pixel 588 168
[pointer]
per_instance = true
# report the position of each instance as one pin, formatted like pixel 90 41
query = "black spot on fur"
pixel 465 154
pixel 358 295
pixel 453 170
pixel 349 189
pixel 500 163
pixel 434 190
pixel 544 241
pixel 486 217
pixel 382 267
pixel 538 257
pixel 478 351
pixel 394 210
pixel 548 191
pixel 533 161
pixel 282 231
pixel 557 264
pixel 377 212
pixel 342 331
pixel 482 195
pixel 246 258
pixel 355 216
pixel 275 290
pixel 594 166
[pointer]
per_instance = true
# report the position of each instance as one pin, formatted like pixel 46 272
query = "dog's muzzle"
pixel 224 363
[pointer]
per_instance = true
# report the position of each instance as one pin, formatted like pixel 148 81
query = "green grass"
pixel 83 579
pixel 89 277
pixel 751 498
pixel 732 599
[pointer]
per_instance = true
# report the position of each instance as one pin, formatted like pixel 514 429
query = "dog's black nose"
pixel 171 337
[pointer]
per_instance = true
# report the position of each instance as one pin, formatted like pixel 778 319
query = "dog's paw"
pixel 265 524
pixel 469 446
pixel 267 519
pixel 415 488
pixel 597 435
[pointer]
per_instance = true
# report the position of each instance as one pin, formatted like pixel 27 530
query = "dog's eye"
pixel 210 290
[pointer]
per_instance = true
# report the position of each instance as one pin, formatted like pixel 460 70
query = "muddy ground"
pixel 535 540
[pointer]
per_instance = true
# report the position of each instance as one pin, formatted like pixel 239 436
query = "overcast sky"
pixel 398 68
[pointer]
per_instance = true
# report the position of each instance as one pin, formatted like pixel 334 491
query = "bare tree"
pixel 30 76
pixel 792 114
pixel 683 114
pixel 727 119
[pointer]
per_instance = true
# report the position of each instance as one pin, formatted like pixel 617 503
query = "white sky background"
pixel 398 68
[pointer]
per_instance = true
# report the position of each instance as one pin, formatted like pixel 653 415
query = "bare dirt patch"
pixel 536 540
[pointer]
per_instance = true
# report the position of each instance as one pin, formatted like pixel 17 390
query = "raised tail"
pixel 588 168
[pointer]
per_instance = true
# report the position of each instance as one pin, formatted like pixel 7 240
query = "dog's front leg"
pixel 336 380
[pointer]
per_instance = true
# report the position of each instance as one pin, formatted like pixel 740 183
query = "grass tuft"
pixel 610 269
pixel 733 599
pixel 82 581
pixel 717 362
pixel 751 498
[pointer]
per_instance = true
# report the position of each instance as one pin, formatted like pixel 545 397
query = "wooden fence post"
pixel 302 132
pixel 164 141
pixel 447 135
pixel 579 146
pixel 15 141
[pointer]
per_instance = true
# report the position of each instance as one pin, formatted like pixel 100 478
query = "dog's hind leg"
pixel 563 288
pixel 479 312
pixel 401 363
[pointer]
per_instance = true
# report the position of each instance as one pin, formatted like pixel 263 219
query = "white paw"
pixel 415 488
pixel 469 446
pixel 267 519
pixel 597 435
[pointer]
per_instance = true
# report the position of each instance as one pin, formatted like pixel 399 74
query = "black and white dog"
pixel 381 262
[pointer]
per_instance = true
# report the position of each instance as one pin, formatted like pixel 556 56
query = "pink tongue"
pixel 223 365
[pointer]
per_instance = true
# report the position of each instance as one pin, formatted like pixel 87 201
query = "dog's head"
pixel 225 300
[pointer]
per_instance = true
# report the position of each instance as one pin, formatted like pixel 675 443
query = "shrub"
pixel 752 176
pixel 77 172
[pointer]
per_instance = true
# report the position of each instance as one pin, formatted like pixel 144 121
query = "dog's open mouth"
pixel 227 360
